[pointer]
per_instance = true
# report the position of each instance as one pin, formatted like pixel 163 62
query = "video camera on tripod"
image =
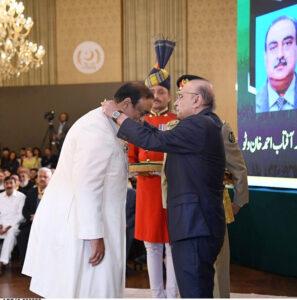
pixel 50 132
pixel 50 115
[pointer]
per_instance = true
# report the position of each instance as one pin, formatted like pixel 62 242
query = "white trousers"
pixel 8 244
pixel 222 271
pixel 155 270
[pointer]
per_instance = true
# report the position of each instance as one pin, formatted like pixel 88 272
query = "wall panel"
pixel 88 20
pixel 211 50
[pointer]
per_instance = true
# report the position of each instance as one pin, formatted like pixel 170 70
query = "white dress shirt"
pixel 289 97
pixel 11 209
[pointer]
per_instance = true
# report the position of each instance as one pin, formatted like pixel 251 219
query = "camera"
pixel 49 115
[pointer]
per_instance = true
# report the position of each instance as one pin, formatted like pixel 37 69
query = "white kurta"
pixel 10 215
pixel 84 200
pixel 11 209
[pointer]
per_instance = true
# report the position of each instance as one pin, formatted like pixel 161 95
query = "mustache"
pixel 157 100
pixel 279 62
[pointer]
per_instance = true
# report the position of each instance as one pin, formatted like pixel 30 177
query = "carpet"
pixel 146 293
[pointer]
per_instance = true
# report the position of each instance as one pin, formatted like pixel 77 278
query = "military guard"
pixel 151 217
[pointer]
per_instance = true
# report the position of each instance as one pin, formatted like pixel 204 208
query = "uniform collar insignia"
pixel 162 112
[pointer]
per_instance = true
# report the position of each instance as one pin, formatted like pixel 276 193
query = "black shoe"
pixel 129 271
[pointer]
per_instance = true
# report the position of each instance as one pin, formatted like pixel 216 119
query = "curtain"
pixel 143 22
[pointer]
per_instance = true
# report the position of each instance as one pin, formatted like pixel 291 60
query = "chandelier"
pixel 17 54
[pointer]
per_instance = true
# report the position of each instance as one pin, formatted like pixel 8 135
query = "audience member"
pixel 2 176
pixel 13 163
pixel 49 160
pixel 5 158
pixel 25 183
pixel 31 203
pixel 30 161
pixel 33 175
pixel 7 173
pixel 18 181
pixel 22 155
pixel 62 130
pixel 37 153
pixel 11 205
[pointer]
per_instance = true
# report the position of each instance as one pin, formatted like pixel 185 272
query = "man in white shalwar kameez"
pixel 11 205
pixel 77 241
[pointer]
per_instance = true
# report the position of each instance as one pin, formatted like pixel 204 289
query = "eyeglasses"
pixel 181 95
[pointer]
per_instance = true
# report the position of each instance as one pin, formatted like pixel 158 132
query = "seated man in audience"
pixel 5 158
pixel 11 205
pixel 7 173
pixel 25 183
pixel 2 176
pixel 22 155
pixel 32 201
pixel 49 160
pixel 18 187
pixel 33 175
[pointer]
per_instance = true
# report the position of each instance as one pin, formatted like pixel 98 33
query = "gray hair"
pixel 205 89
pixel 47 170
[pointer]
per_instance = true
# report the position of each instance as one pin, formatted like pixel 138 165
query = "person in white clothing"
pixel 2 176
pixel 76 246
pixel 11 205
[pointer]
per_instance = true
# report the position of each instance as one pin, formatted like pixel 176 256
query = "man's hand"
pixel 235 208
pixel 109 107
pixel 98 251
pixel 3 231
pixel 32 217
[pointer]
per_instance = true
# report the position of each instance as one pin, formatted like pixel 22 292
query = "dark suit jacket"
pixel 49 162
pixel 26 188
pixel 30 206
pixel 60 141
pixel 262 102
pixel 194 169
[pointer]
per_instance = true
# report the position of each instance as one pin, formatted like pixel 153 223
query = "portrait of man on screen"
pixel 280 89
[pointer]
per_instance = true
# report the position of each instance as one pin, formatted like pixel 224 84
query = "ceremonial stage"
pixel 245 283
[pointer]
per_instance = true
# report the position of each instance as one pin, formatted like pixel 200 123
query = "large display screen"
pixel 267 90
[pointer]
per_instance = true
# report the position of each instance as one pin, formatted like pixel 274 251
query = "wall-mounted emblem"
pixel 88 57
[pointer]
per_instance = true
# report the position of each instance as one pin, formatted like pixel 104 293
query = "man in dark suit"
pixel 49 160
pixel 280 89
pixel 195 170
pixel 31 203
pixel 63 128
pixel 25 183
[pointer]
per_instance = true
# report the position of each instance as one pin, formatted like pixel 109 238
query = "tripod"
pixel 50 134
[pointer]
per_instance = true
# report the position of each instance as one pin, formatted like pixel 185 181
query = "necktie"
pixel 280 102
pixel 40 194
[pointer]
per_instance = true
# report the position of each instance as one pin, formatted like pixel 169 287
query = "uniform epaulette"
pixel 171 124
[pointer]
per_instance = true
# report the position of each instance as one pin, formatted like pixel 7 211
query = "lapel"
pixel 36 197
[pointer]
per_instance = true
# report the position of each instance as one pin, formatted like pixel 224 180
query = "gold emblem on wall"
pixel 88 57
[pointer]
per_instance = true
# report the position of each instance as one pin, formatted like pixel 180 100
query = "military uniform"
pixel 236 166
pixel 151 218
